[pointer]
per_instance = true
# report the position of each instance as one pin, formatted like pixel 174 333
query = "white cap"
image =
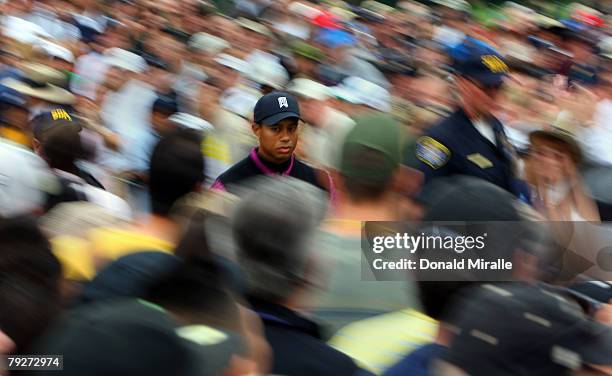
pixel 254 26
pixel 24 180
pixel 273 75
pixel 605 45
pixel 359 91
pixel 208 43
pixel 307 88
pixel 23 31
pixel 126 60
pixel 460 5
pixel 240 101
pixel 303 9
pixel 55 50
pixel 233 63
pixel 188 121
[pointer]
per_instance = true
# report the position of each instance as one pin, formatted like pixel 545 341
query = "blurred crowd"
pixel 183 184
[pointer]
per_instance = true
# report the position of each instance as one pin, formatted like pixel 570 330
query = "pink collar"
pixel 260 165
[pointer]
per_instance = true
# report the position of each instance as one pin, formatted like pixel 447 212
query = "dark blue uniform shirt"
pixel 455 146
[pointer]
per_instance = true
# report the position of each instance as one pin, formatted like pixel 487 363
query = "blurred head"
pixel 547 330
pixel 312 97
pixel 479 73
pixel 62 147
pixel 272 228
pixel 429 90
pixel 31 274
pixel 14 109
pixel 276 120
pixel 115 78
pixel 208 101
pixel 176 168
pixel 370 158
pixel 477 99
pixel 550 152
pixel 162 109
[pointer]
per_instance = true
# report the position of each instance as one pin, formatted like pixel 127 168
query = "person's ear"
pixel 256 128
pixel 36 146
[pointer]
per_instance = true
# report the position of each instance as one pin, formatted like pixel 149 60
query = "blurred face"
pixel 429 90
pixel 305 66
pixel 6 344
pixel 115 78
pixel 477 99
pixel 310 110
pixel 277 142
pixel 227 77
pixel 16 116
pixel 208 101
pixel 548 161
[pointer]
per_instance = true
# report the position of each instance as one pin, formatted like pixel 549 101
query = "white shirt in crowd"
pixel 114 204
pixel 597 139
pixel 91 69
pixel 128 113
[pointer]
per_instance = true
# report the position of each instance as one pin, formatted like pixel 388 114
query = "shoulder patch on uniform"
pixel 432 152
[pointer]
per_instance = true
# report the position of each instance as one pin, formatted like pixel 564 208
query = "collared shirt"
pixel 456 146
pixel 253 166
pixel 297 344
pixel 485 130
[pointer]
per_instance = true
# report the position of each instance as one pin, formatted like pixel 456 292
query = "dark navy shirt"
pixel 252 166
pixel 455 146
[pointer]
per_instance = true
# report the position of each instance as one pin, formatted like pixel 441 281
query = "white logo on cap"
pixel 282 102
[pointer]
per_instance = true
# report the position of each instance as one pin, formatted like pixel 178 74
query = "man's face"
pixel 548 162
pixel 16 116
pixel 115 78
pixel 160 123
pixel 477 99
pixel 310 109
pixel 277 142
pixel 305 66
pixel 226 77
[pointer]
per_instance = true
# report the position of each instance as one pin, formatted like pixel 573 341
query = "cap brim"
pixel 49 93
pixel 488 79
pixel 275 119
pixel 346 95
pixel 558 136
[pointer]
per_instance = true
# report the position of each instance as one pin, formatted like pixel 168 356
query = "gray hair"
pixel 273 228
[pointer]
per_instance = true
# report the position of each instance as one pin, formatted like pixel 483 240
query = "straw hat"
pixel 41 81
pixel 564 132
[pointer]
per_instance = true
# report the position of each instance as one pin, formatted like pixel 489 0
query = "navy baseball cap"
pixel 58 117
pixel 480 62
pixel 274 107
pixel 12 97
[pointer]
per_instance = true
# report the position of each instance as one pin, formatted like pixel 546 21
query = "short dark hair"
pixel 25 251
pixel 437 296
pixel 62 147
pixel 272 228
pixel 176 168
pixel 29 280
pixel 196 292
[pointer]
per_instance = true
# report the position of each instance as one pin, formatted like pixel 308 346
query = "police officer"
pixel 471 141
pixel 276 120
